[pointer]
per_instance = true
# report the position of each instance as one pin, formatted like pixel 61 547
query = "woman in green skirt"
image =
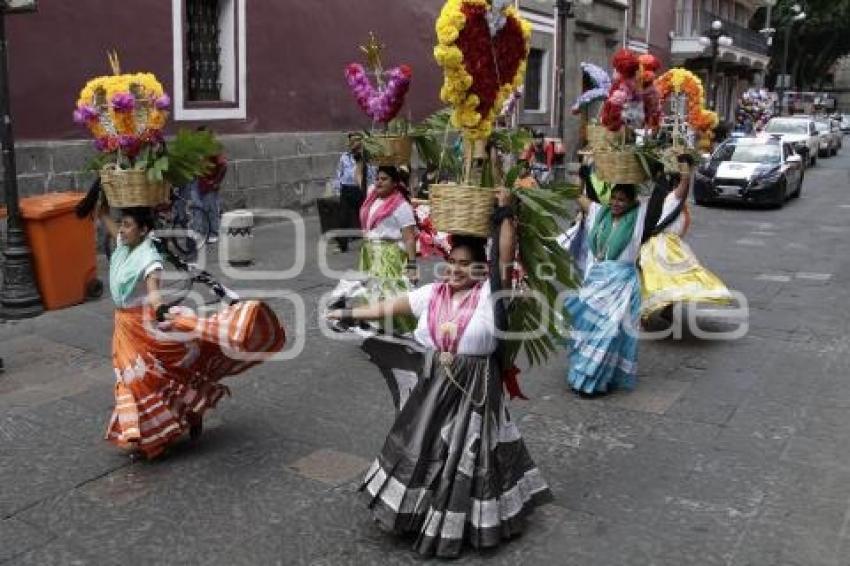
pixel 388 253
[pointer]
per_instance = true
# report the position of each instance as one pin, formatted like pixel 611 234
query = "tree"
pixel 816 43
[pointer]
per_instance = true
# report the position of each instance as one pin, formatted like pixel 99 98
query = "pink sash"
pixel 447 324
pixel 390 204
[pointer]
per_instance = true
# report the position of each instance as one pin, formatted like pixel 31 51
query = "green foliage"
pixel 548 270
pixel 815 43
pixel 184 158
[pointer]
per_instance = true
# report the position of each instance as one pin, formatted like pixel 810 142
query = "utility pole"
pixel 19 296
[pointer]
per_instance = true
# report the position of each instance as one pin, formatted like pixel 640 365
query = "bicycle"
pixel 187 227
pixel 180 275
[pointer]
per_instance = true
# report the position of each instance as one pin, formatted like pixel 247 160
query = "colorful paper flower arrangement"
pixel 682 81
pixel 123 112
pixel 383 102
pixel 601 85
pixel 482 48
pixel 633 100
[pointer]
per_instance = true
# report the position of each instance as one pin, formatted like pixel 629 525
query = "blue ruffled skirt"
pixel 604 320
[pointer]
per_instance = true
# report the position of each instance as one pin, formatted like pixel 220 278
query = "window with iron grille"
pixel 203 50
pixel 209 59
pixel 534 91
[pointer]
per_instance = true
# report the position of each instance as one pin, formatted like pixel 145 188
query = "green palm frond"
pixel 548 269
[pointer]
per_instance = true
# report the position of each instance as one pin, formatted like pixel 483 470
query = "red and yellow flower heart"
pixel 480 70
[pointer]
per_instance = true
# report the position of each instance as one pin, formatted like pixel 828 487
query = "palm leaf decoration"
pixel 183 159
pixel 535 317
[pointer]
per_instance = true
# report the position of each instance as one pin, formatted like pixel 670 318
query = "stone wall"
pixel 286 170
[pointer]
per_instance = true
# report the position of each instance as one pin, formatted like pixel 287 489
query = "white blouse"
pixel 390 227
pixel 671 201
pixel 479 338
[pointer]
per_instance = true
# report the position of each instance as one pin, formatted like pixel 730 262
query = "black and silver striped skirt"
pixel 454 467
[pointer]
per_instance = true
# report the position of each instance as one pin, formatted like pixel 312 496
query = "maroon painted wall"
pixel 296 53
pixel 663 19
pixel 53 53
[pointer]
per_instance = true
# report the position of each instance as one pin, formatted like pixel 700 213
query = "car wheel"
pixel 782 195
pixel 799 191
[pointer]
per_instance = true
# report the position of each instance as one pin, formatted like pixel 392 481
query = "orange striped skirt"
pixel 165 378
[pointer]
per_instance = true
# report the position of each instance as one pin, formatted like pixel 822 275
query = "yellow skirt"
pixel 670 273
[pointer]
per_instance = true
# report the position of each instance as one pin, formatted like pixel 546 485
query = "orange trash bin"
pixel 63 249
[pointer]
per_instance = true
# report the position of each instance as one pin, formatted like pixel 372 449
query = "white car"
pixel 830 137
pixel 801 132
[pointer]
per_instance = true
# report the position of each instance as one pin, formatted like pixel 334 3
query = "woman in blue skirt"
pixel 605 311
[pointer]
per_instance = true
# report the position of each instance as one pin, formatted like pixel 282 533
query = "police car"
pixel 757 170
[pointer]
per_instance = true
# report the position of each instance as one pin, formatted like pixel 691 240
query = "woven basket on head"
pixel 619 167
pixel 395 150
pixel 131 187
pixel 461 209
pixel 598 137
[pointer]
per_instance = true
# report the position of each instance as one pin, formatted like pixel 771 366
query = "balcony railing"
pixel 694 23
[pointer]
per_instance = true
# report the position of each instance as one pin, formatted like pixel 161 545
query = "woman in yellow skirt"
pixel 669 271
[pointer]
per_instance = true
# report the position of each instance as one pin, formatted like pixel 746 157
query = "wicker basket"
pixel 461 209
pixel 598 137
pixel 619 167
pixel 396 150
pixel 131 187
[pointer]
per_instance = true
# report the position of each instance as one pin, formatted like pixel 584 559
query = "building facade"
pixel 740 66
pixel 265 75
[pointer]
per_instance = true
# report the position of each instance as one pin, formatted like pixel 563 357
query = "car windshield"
pixel 787 127
pixel 749 153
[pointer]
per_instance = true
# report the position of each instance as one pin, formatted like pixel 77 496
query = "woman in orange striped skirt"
pixel 168 362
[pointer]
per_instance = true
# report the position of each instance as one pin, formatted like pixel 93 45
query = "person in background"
pixel 541 157
pixel 204 194
pixel 353 176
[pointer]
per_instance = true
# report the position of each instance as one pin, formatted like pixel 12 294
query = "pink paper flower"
pixel 381 105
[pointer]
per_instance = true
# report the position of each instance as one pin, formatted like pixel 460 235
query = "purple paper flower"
pixel 85 114
pixel 381 105
pixel 163 102
pixel 601 85
pixel 101 144
pixel 123 102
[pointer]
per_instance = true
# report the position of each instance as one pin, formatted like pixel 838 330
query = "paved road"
pixel 728 453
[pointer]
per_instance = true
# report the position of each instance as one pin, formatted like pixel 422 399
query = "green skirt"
pixel 385 263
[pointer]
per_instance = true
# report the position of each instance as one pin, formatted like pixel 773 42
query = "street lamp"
pixel 19 297
pixel 715 39
pixel 564 10
pixel 768 31
pixel 798 16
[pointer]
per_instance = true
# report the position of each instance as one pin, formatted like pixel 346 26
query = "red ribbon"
pixel 509 379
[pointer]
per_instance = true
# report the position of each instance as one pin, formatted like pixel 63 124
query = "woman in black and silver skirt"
pixel 454 466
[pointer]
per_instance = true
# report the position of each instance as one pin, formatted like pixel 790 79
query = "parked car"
pixel 757 170
pixel 845 123
pixel 801 132
pixel 836 131
pixel 829 137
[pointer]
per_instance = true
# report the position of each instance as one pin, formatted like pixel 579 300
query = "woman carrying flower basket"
pixel 669 271
pixel 168 362
pixel 388 253
pixel 604 313
pixel 454 467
